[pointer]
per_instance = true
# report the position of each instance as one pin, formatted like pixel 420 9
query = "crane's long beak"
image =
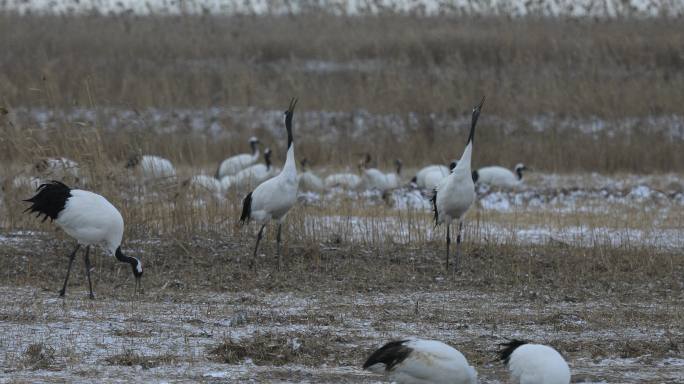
pixel 293 103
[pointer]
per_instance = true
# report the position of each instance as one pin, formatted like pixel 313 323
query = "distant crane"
pixel 57 168
pixel 255 174
pixel 376 179
pixel 308 181
pixel 455 193
pixel 152 167
pixel 393 179
pixel 534 363
pixel 87 217
pixel 273 198
pixel 421 361
pixel 207 184
pixel 343 180
pixel 499 176
pixel 428 177
pixel 235 164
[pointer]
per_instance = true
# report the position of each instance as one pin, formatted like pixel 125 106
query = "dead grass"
pixel 293 348
pixel 131 358
pixel 39 356
pixel 422 69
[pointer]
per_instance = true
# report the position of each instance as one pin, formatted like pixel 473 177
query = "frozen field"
pixel 322 333
pixel 590 264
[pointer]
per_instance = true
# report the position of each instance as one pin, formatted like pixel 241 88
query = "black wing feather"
pixel 509 348
pixel 246 208
pixel 390 354
pixel 49 200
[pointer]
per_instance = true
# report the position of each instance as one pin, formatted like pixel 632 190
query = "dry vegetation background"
pixel 567 70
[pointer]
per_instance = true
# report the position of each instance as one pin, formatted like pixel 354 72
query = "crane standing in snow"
pixel 272 199
pixel 87 217
pixel 455 193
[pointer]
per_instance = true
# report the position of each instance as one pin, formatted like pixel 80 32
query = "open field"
pixel 598 275
pixel 615 314
pixel 603 93
pixel 586 255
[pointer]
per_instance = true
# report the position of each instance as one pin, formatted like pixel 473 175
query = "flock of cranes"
pixel 418 361
pixel 92 220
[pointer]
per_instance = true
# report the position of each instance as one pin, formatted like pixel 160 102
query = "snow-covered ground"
pixel 572 8
pixel 171 335
pixel 328 126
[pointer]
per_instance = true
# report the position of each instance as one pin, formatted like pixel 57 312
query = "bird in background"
pixel 272 199
pixel 87 217
pixel 497 176
pixel 455 193
pixel 152 167
pixel 235 164
pixel 309 181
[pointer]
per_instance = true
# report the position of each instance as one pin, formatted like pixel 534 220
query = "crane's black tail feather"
pixel 509 348
pixel 433 199
pixel 390 354
pixel 49 200
pixel 246 208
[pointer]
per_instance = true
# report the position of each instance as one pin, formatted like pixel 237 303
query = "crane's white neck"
pixel 290 167
pixel 464 163
pixel 255 154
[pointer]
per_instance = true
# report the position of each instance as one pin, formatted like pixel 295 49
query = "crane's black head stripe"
pixel 288 121
pixel 509 348
pixel 49 200
pixel 433 199
pixel 133 161
pixel 398 163
pixel 217 175
pixel 473 123
pixel 519 171
pixel 135 263
pixel 267 158
pixel 246 208
pixel 390 354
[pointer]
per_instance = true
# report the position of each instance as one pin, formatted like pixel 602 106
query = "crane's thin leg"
pixel 256 247
pixel 87 268
pixel 71 260
pixel 280 260
pixel 458 246
pixel 448 244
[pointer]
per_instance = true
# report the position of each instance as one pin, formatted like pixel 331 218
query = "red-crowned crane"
pixel 272 199
pixel 416 361
pixel 87 217
pixel 499 176
pixel 455 193
pixel 534 363
pixel 235 164
pixel 152 167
